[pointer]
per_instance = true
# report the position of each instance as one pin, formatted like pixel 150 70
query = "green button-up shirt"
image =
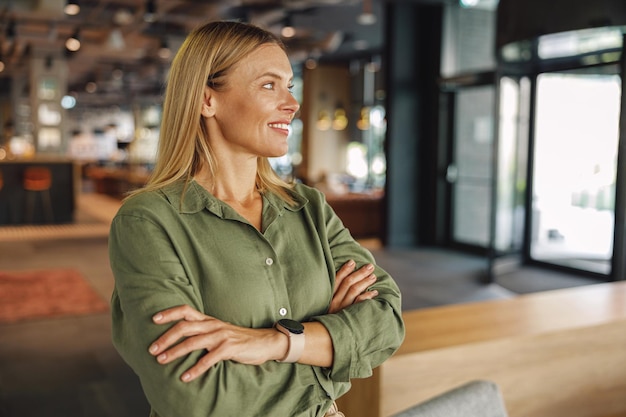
pixel 166 252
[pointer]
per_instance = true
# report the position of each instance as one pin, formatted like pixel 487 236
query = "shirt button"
pixel 282 312
pixel 269 261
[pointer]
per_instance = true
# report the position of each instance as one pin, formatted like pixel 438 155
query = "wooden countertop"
pixel 529 314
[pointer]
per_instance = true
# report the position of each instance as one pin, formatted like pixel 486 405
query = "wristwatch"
pixel 295 332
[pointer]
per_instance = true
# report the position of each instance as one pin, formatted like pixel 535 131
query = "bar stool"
pixel 38 180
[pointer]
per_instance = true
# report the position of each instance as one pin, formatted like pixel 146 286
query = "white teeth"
pixel 279 125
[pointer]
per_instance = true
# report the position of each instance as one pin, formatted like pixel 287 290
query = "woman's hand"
pixel 223 341
pixel 351 286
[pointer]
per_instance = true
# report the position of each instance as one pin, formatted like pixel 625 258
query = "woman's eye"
pixel 268 86
pixel 290 88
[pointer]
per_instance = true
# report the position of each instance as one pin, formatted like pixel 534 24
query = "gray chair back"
pixel 473 399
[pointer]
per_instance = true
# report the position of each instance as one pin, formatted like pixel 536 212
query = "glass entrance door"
pixel 576 139
pixel 470 173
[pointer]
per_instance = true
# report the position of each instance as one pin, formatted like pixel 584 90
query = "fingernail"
pixel 351 263
pixel 186 377
pixel 370 267
pixel 158 317
pixel 161 357
pixel 154 348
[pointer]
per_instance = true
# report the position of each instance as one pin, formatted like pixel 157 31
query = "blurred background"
pixel 475 146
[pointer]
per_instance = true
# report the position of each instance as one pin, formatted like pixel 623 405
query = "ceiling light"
pixel 310 63
pixel 117 74
pixel 164 50
pixel 73 42
pixel 323 120
pixel 340 120
pixel 91 87
pixel 288 32
pixel 123 17
pixel 68 102
pixel 72 8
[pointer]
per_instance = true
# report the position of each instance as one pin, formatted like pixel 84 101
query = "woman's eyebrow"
pixel 273 75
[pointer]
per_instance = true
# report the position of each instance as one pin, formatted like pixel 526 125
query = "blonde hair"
pixel 204 59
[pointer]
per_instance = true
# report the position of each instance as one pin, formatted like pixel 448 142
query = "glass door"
pixel 470 172
pixel 576 137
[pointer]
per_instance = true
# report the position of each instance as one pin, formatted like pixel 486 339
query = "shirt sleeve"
pixel 148 279
pixel 365 334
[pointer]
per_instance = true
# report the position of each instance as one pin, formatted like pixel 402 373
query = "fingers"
pixel 168 341
pixel 191 322
pixel 367 295
pixel 200 342
pixel 357 287
pixel 345 270
pixel 355 280
pixel 351 286
pixel 205 363
pixel 183 312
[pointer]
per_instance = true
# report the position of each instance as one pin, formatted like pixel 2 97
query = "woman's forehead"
pixel 267 58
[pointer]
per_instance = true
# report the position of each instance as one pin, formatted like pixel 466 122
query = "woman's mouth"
pixel 283 126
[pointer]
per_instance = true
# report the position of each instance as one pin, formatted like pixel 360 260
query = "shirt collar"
pixel 197 198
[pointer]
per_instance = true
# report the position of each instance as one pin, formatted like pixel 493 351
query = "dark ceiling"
pixel 121 41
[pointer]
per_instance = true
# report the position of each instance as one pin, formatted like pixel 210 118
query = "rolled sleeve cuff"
pixel 344 347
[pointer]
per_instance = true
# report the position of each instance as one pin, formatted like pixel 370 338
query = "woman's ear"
pixel 208 106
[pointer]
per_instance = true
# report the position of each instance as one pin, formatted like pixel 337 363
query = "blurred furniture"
pixel 361 213
pixel 116 181
pixel 37 182
pixel 553 353
pixel 15 198
pixel 473 399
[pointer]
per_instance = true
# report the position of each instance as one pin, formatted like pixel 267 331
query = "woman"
pixel 236 293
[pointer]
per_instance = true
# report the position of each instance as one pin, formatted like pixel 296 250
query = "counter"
pixel 553 353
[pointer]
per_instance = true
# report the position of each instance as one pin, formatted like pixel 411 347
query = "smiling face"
pixel 251 114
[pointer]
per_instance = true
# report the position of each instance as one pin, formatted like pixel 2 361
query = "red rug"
pixel 28 295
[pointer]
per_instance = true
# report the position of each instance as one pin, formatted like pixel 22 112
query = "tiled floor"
pixel 68 368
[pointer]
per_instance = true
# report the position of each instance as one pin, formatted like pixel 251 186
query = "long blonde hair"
pixel 204 59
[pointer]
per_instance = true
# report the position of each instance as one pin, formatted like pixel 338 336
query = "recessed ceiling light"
pixel 72 8
pixel 123 17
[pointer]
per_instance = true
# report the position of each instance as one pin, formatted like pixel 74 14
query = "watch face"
pixel 292 325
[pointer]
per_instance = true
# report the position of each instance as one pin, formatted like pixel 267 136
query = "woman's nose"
pixel 292 104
